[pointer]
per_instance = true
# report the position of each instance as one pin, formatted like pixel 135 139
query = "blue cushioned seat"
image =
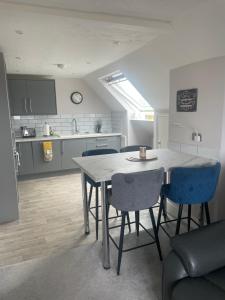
pixel 134 148
pixel 191 185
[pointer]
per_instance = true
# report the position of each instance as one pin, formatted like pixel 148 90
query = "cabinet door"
pixel 41 97
pixel 26 158
pixel 42 166
pixel 104 143
pixel 70 149
pixel 17 97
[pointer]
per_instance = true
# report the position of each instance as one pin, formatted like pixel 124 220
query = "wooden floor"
pixel 51 220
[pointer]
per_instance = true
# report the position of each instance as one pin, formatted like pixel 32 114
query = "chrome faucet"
pixel 74 126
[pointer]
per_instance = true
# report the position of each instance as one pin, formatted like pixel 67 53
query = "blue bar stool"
pixel 134 148
pixel 188 186
pixel 95 185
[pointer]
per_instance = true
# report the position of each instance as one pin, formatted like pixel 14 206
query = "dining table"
pixel 101 168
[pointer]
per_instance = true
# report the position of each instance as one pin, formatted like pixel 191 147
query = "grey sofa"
pixel 195 268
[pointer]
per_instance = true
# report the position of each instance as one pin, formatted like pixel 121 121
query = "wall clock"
pixel 76 97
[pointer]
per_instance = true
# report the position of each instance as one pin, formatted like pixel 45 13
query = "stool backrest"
pixel 193 184
pixel 136 191
pixel 134 148
pixel 99 152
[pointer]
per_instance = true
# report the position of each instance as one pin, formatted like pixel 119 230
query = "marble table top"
pixel 102 167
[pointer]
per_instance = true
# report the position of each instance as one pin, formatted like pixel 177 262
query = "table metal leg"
pixel 105 235
pixel 85 204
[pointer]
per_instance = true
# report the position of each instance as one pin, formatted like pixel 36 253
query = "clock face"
pixel 76 97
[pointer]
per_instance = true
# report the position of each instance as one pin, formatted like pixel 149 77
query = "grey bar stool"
pixel 134 192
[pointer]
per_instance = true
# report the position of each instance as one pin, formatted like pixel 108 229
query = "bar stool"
pixel 134 148
pixel 131 193
pixel 95 185
pixel 188 186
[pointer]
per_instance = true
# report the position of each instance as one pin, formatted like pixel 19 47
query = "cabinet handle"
pixel 101 139
pixel 30 101
pixel 102 145
pixel 25 104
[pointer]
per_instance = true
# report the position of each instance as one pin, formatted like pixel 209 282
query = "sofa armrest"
pixel 203 250
pixel 173 270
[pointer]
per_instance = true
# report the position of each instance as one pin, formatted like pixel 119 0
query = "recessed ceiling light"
pixel 117 43
pixel 60 66
pixel 18 31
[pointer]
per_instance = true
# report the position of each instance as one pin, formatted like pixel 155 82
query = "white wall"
pixel 140 133
pixel 92 103
pixel 209 78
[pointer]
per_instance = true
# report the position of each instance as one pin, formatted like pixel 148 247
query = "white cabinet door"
pixel 161 130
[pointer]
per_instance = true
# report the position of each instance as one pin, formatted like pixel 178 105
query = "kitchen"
pixel 50 216
pixel 87 126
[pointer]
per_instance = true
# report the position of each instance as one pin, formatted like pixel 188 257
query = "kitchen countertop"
pixel 67 137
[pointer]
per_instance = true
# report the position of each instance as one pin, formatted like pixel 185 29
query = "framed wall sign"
pixel 187 100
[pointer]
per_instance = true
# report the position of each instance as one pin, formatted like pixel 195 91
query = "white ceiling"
pixel 83 42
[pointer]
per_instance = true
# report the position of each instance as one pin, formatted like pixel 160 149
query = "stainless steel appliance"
pixel 28 132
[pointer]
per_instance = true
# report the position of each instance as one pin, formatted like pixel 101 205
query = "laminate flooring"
pixel 51 220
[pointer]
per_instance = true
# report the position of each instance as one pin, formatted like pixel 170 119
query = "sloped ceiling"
pixel 198 35
pixel 81 36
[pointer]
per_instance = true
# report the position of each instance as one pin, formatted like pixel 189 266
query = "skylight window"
pixel 125 92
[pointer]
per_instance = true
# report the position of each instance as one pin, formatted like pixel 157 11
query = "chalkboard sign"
pixel 187 100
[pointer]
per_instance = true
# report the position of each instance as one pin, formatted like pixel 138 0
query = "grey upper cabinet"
pixel 32 96
pixel 26 158
pixel 42 166
pixel 41 97
pixel 70 149
pixel 17 97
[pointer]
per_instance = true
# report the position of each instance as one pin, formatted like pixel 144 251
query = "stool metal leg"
pixel 128 222
pixel 137 218
pixel 201 217
pixel 207 213
pixel 159 214
pixel 96 212
pixel 164 209
pixel 179 218
pixel 121 242
pixel 189 217
pixel 155 233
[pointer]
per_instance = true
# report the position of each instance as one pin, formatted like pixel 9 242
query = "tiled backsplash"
pixel 62 124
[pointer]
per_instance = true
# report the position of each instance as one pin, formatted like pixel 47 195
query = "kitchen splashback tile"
pixel 62 124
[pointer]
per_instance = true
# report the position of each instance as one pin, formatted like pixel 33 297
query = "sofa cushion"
pixel 203 250
pixel 197 289
pixel 217 278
